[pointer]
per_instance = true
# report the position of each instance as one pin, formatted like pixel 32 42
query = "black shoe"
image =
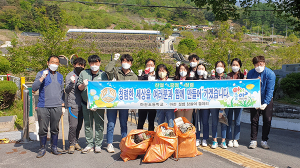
pixel 42 152
pixel 54 138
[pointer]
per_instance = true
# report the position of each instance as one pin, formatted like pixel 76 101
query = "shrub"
pixel 8 90
pixel 291 85
pixel 4 65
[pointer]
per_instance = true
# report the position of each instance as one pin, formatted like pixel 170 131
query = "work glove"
pixel 140 72
pixel 117 56
pixel 93 109
pixel 245 73
pixel 213 72
pixel 192 74
pixel 45 73
pixel 205 75
pixel 178 64
pixel 85 82
pixel 72 78
pixel 263 107
pixel 63 110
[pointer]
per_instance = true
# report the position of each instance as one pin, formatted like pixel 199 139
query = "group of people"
pixel 51 104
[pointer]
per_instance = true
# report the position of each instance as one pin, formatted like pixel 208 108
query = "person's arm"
pixel 80 83
pixel 110 68
pixel 37 82
pixel 69 84
pixel 270 84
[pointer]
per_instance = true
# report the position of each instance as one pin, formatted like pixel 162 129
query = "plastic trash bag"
pixel 223 117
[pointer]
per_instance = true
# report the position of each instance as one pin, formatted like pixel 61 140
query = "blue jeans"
pixel 237 123
pixel 111 117
pixel 199 121
pixel 165 114
pixel 224 127
pixel 205 120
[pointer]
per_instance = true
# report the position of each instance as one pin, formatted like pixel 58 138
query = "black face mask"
pixel 78 69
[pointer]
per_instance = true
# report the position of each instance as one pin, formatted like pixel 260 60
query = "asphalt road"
pixel 284 153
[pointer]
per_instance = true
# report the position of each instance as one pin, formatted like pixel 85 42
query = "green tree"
pixel 186 46
pixel 292 38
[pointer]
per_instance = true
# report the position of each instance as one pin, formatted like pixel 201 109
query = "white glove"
pixel 213 72
pixel 72 78
pixel 63 110
pixel 117 56
pixel 205 75
pixel 93 109
pixel 140 72
pixel 263 107
pixel 192 74
pixel 45 73
pixel 85 82
pixel 178 64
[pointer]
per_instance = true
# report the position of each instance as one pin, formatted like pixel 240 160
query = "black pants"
pixel 267 118
pixel 75 118
pixel 46 115
pixel 142 117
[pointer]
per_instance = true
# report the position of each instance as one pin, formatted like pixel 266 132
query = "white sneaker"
pixel 204 143
pixel 223 145
pixel 110 148
pixel 198 142
pixel 253 144
pixel 87 149
pixel 214 145
pixel 97 149
pixel 230 143
pixel 235 144
pixel 264 145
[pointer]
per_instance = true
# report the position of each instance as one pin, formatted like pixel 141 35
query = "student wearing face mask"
pixel 162 74
pixel 236 73
pixel 267 82
pixel 74 100
pixel 201 75
pixel 194 61
pixel 147 74
pixel 220 75
pixel 50 107
pixel 123 73
pixel 183 73
pixel 91 115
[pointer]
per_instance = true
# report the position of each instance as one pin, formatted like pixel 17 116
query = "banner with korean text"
pixel 188 94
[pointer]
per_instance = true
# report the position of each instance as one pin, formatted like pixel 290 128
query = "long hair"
pixel 161 66
pixel 240 63
pixel 177 74
pixel 196 75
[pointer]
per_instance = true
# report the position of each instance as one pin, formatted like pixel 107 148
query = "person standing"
pixel 194 61
pixel 148 74
pixel 123 73
pixel 91 114
pixel 50 107
pixel 267 82
pixel 74 100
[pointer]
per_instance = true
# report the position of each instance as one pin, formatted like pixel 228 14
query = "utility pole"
pixel 262 34
pixel 285 30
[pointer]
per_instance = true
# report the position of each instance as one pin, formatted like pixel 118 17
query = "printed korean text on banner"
pixel 174 94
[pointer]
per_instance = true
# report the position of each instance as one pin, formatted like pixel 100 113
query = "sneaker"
pixel 235 144
pixel 204 143
pixel 230 143
pixel 71 149
pixel 264 145
pixel 97 149
pixel 253 144
pixel 198 142
pixel 223 145
pixel 110 148
pixel 77 147
pixel 214 145
pixel 87 149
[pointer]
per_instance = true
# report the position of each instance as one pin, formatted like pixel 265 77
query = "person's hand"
pixel 213 72
pixel 133 110
pixel 140 72
pixel 72 78
pixel 178 63
pixel 93 109
pixel 85 82
pixel 205 75
pixel 63 110
pixel 117 56
pixel 245 73
pixel 45 73
pixel 192 74
pixel 263 107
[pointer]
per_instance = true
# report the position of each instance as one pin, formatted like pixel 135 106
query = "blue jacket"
pixel 267 83
pixel 51 90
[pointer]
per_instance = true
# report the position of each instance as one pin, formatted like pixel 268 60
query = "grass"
pixel 6 35
pixel 15 109
pixel 287 100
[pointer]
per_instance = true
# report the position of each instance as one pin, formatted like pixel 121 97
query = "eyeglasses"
pixel 150 65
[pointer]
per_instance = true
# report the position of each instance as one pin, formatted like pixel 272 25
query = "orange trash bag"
pixel 163 145
pixel 131 149
pixel 186 141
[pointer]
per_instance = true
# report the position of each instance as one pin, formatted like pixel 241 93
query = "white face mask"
pixel 235 68
pixel 193 64
pixel 183 73
pixel 126 65
pixel 53 67
pixel 95 68
pixel 151 69
pixel 200 72
pixel 260 69
pixel 219 70
pixel 162 74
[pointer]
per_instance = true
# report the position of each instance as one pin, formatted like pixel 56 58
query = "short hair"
pixel 177 73
pixel 191 57
pixel 94 58
pixel 127 57
pixel 237 60
pixel 161 66
pixel 150 59
pixel 221 62
pixel 79 61
pixel 202 65
pixel 52 56
pixel 258 59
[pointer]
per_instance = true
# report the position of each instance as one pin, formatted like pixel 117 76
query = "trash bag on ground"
pixel 186 133
pixel 135 143
pixel 223 117
pixel 163 145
